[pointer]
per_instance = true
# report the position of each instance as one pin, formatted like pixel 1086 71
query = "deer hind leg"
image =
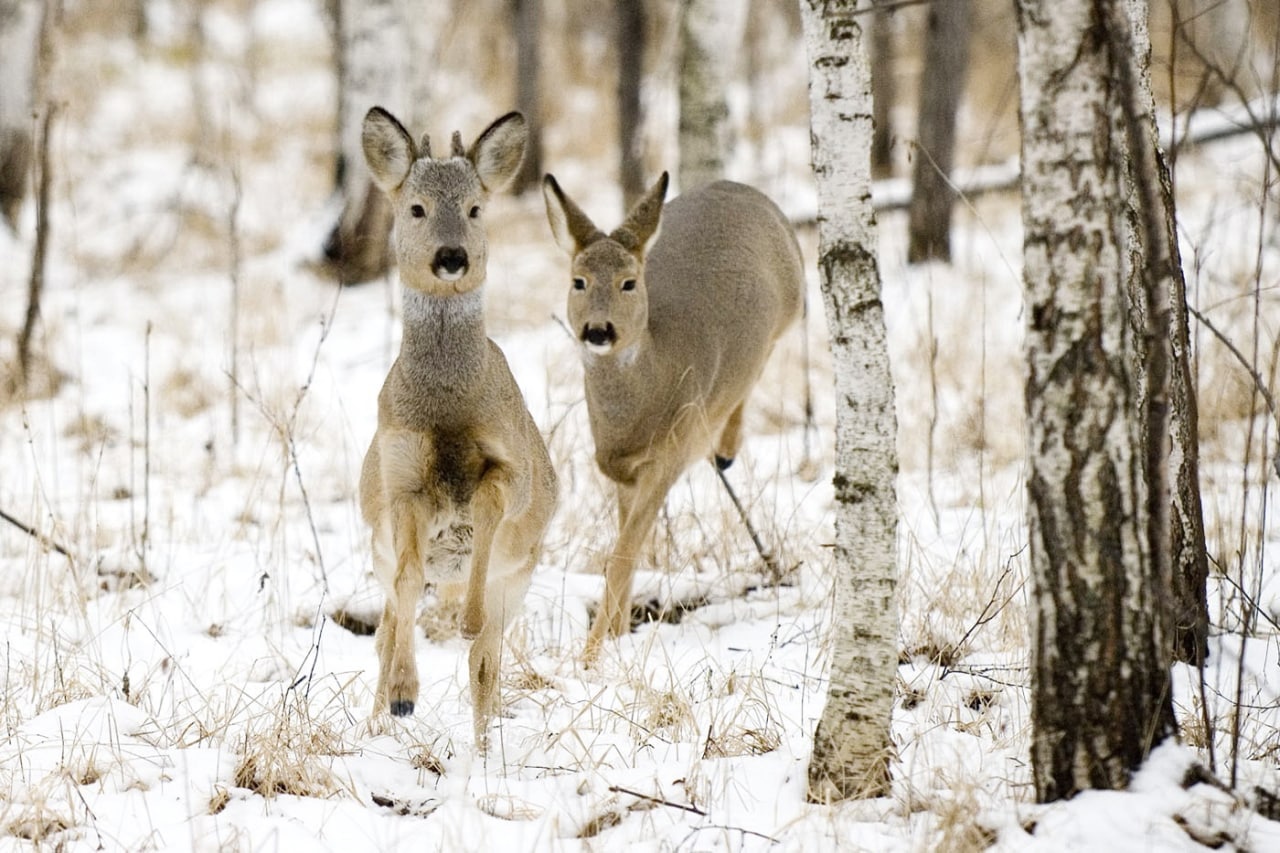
pixel 503 598
pixel 730 438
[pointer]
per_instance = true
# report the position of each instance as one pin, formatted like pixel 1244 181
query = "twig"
pixel 1244 362
pixel 38 536
pixel 770 561
pixel 616 789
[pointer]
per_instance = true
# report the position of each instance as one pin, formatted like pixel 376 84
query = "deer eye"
pixel 475 211
pixel 418 211
pixel 628 284
pixel 579 283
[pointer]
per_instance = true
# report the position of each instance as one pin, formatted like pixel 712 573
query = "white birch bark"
pixel 1100 693
pixel 710 36
pixel 852 745
pixel 19 40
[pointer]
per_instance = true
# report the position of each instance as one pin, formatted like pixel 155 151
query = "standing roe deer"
pixel 674 337
pixel 457 467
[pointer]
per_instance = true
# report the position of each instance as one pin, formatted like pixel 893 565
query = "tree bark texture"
pixel 19 42
pixel 706 50
pixel 852 745
pixel 629 34
pixel 946 62
pixel 528 26
pixel 1157 292
pixel 1100 656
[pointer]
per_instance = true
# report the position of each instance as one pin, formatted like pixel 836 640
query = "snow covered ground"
pixel 199 676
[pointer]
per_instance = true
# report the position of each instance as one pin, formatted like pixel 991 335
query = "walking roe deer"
pixel 457 467
pixel 674 337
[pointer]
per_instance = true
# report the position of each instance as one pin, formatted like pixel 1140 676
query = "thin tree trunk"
pixel 528 24
pixel 707 46
pixel 883 88
pixel 1100 657
pixel 629 35
pixel 19 39
pixel 852 746
pixel 35 285
pixel 377 61
pixel 946 62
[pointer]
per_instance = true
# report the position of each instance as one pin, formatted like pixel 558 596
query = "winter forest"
pixel 957 530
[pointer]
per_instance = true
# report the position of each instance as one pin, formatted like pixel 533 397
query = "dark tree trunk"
pixel 528 26
pixel 1157 290
pixel 883 89
pixel 946 60
pixel 629 34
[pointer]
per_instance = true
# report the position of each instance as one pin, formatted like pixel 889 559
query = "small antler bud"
pixel 424 147
pixel 458 149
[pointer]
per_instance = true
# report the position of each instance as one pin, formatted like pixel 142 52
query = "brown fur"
pixel 457 485
pixel 674 339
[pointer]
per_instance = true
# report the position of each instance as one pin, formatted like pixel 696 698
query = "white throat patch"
pixel 420 307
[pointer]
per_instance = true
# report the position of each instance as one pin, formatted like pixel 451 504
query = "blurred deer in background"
pixel 674 337
pixel 457 484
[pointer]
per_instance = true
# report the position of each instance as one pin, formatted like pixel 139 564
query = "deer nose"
pixel 450 263
pixel 599 336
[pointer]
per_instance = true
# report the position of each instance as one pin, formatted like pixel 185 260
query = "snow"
pixel 183 683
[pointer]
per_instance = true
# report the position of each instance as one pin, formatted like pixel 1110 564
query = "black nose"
pixel 599 335
pixel 451 260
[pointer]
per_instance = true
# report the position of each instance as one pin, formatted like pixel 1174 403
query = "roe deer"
pixel 457 485
pixel 673 339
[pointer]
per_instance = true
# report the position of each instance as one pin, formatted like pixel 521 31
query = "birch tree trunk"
pixel 384 56
pixel 946 62
pixel 19 39
pixel 629 35
pixel 710 33
pixel 852 746
pixel 1100 657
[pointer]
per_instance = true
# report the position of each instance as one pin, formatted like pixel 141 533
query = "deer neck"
pixel 444 341
pixel 618 381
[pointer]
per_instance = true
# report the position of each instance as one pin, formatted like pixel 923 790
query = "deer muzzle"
pixel 599 337
pixel 450 263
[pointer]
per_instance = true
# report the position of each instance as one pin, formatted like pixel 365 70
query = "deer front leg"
pixel 503 598
pixel 397 654
pixel 383 642
pixel 487 507
pixel 638 508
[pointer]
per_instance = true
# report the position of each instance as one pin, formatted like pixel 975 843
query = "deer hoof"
pixel 723 462
pixel 402 708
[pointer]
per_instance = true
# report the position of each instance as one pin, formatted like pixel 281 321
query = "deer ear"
pixel 641 225
pixel 499 151
pixel 388 149
pixel 572 228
